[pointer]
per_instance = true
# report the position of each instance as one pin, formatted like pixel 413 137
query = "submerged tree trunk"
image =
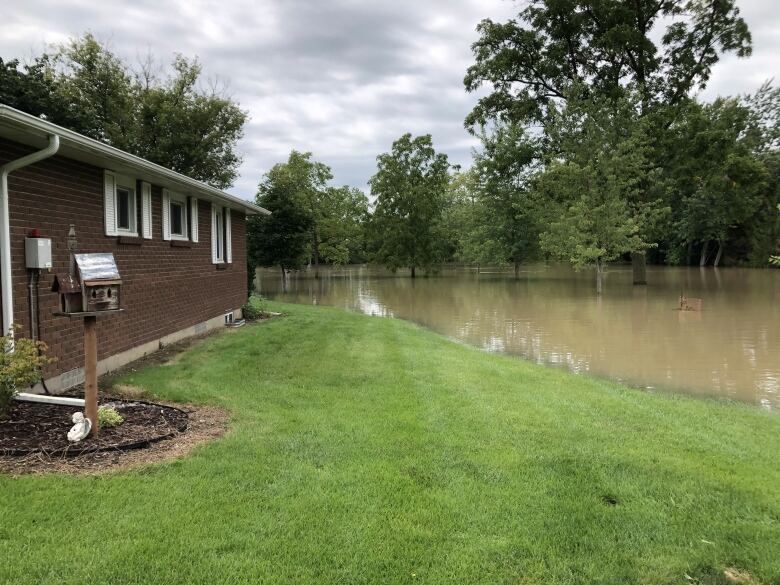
pixel 639 267
pixel 599 277
pixel 315 248
pixel 413 269
pixel 517 269
pixel 284 278
pixel 705 252
pixel 719 255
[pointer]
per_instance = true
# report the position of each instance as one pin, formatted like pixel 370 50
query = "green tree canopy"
pixel 170 120
pixel 504 169
pixel 595 226
pixel 310 220
pixel 718 175
pixel 561 49
pixel 282 238
pixel 410 186
pixel 341 216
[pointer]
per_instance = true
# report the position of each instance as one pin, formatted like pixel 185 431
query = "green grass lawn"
pixel 368 450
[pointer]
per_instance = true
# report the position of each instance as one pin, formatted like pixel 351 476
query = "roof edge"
pixel 83 142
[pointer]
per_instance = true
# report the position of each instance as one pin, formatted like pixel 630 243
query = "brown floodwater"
pixel 552 315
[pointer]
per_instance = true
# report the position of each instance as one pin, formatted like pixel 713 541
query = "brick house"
pixel 179 244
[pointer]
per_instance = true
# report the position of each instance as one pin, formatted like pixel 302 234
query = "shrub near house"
pixel 19 367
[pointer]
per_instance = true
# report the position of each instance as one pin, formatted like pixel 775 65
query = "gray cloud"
pixel 342 79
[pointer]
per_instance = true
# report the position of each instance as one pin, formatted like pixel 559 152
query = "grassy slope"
pixel 367 450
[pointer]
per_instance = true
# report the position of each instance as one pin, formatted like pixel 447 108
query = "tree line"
pixel 168 115
pixel 593 147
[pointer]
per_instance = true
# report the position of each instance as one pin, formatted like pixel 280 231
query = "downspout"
pixel 5 226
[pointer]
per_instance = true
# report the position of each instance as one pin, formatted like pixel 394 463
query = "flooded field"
pixel 730 347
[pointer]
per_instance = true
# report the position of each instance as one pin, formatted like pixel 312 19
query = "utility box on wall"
pixel 96 286
pixel 37 253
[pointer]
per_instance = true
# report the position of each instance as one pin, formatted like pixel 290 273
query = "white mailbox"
pixel 37 252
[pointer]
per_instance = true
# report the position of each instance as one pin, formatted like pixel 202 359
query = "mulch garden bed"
pixel 33 427
pixel 33 438
pixel 204 424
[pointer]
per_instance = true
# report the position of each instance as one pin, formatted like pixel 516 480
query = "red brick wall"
pixel 164 288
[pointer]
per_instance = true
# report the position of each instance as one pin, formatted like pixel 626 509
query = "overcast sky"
pixel 340 78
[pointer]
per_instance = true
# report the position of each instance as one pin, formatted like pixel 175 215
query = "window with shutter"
pixel 176 216
pixel 120 205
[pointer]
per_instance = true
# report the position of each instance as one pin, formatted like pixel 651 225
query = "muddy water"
pixel 729 348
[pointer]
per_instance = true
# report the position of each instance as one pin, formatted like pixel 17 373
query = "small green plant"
pixel 255 308
pixel 109 416
pixel 21 361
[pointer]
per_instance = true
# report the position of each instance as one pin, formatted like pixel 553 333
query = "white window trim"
pixel 217 221
pixel 182 200
pixel 226 255
pixel 112 181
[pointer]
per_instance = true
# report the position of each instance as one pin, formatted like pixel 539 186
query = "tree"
pixel 282 238
pixel 99 87
pixel 409 187
pixel 190 130
pixel 762 232
pixel 310 220
pixel 341 217
pixel 557 50
pixel 504 169
pixel 596 227
pixel 719 178
pixel 172 122
pixel 33 89
pixel 311 178
pixel 468 234
pixel 588 203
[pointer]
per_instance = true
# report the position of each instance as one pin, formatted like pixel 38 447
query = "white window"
pixel 125 209
pixel 121 205
pixel 180 217
pixel 221 235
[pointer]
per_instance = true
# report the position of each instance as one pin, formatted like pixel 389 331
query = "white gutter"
pixel 5 227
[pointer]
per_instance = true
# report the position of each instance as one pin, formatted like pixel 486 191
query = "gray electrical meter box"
pixel 37 252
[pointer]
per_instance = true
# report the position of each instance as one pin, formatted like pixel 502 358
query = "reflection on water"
pixel 552 315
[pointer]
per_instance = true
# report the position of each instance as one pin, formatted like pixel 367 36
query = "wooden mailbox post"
pixel 90 293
